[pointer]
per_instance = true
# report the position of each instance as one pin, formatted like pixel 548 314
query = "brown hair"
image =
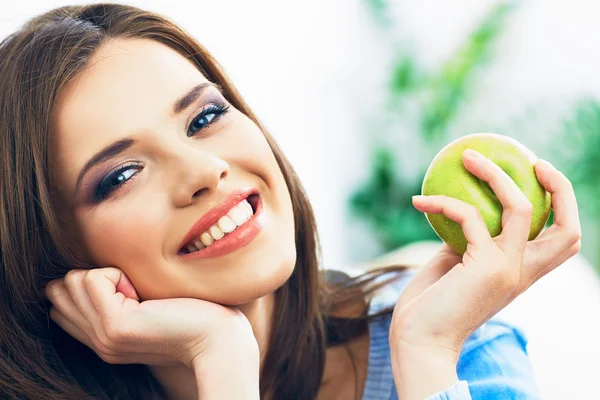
pixel 38 359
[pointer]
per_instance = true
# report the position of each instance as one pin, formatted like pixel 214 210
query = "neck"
pixel 260 314
pixel 179 382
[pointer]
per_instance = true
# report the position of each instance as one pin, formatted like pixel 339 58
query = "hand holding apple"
pixel 447 176
pixel 454 294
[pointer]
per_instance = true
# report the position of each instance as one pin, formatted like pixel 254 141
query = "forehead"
pixel 129 86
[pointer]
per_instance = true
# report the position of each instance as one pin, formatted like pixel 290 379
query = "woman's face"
pixel 143 185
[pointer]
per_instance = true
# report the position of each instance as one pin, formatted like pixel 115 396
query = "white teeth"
pixel 206 239
pixel 237 216
pixel 216 232
pixel 226 224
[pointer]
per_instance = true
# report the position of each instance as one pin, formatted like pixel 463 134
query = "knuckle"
pixel 526 209
pixel 575 248
pixel 473 212
pixel 72 277
pixel 53 313
pixel 53 289
pixel 566 181
pixel 103 348
pixel 90 276
pixel 522 208
pixel 108 357
pixel 112 334
pixel 445 200
pixel 575 236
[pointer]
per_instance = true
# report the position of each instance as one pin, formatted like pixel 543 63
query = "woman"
pixel 176 252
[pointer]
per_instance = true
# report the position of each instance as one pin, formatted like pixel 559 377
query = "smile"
pixel 227 227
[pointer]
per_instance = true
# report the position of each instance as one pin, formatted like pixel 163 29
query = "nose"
pixel 198 172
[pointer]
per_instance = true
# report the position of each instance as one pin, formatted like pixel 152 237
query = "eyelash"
pixel 103 190
pixel 217 109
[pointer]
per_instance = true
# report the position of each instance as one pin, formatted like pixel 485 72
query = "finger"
pixel 516 207
pixel 546 252
pixel 466 298
pixel 108 356
pixel 126 287
pixel 467 215
pixel 543 251
pixel 531 275
pixel 60 297
pixel 72 329
pixel 47 291
pixel 78 292
pixel 564 203
pixel 101 284
pixel 527 279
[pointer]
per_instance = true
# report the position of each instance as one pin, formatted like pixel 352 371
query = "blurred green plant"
pixel 450 88
pixel 577 154
pixel 385 200
pixel 379 10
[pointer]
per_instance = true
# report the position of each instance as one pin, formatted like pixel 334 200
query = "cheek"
pixel 126 235
pixel 254 154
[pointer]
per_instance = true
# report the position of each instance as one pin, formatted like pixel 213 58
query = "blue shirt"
pixel 493 363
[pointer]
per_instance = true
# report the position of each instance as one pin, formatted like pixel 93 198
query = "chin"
pixel 259 285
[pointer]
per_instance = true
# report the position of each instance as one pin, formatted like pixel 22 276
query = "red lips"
pixel 211 217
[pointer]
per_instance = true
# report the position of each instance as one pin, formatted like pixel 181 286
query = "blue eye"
pixel 205 118
pixel 115 179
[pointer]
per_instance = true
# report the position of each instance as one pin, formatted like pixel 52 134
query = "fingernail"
pixel 470 153
pixel 418 197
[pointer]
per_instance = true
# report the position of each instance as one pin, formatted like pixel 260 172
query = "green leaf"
pixel 450 88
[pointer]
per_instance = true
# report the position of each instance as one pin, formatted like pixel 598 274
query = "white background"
pixel 315 72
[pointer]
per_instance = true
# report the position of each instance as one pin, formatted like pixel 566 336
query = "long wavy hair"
pixel 38 360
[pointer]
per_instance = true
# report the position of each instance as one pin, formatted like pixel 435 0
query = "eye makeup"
pixel 115 179
pixel 103 183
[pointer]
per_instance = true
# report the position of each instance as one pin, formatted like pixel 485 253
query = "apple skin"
pixel 448 176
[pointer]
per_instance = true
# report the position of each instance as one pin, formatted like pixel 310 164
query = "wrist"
pixel 227 376
pixel 228 369
pixel 421 371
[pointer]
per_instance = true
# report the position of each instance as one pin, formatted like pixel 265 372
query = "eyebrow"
pixel 118 147
pixel 190 97
pixel 109 151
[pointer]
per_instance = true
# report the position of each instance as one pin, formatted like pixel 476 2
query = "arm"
pixel 221 381
pixel 493 362
pixel 423 373
pixel 228 371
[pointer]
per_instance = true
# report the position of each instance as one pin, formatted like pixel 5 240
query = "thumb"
pixel 442 262
pixel 125 286
pixel 105 286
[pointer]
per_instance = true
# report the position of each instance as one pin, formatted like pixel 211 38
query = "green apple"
pixel 448 176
